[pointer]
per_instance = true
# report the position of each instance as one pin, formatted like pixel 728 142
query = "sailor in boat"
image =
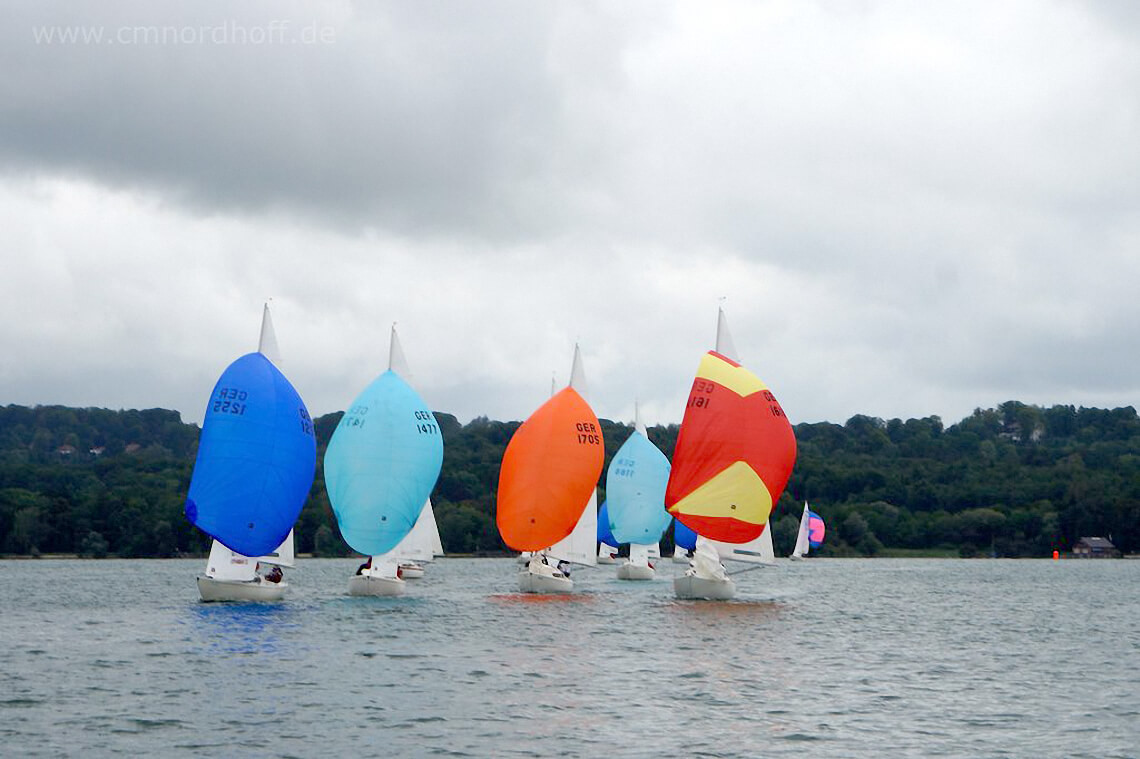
pixel 273 575
pixel 564 567
pixel 706 565
pixel 540 566
pixel 368 565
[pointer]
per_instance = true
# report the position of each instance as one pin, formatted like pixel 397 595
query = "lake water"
pixel 821 658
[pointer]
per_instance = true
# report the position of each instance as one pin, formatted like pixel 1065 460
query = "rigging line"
pixel 749 569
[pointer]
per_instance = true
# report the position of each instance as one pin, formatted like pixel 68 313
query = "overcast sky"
pixel 907 208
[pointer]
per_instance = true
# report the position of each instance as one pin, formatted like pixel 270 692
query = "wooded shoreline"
pixel 1012 481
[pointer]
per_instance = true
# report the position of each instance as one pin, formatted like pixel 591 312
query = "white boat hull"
pixel 690 588
pixel 370 585
pixel 530 582
pixel 606 560
pixel 629 571
pixel 411 571
pixel 240 590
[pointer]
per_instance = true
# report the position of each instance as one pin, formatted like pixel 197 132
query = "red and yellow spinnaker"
pixel 550 469
pixel 734 454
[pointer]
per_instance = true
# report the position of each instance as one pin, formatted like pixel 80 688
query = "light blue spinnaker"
pixel 381 464
pixel 256 458
pixel 635 490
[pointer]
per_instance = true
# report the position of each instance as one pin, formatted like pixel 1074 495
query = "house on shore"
pixel 1095 548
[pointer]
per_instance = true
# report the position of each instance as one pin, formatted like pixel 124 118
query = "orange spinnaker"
pixel 734 454
pixel 550 468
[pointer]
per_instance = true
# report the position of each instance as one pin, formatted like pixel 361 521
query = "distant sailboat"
pixel 810 534
pixel 733 456
pixel 548 486
pixel 380 467
pixel 255 464
pixel 607 544
pixel 635 488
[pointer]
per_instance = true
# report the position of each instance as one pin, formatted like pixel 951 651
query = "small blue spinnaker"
pixel 635 490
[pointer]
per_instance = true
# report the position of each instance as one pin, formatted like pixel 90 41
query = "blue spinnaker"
pixel 635 491
pixel 256 458
pixel 381 464
pixel 683 536
pixel 605 532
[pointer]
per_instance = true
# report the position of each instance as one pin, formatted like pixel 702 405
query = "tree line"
pixel 1015 480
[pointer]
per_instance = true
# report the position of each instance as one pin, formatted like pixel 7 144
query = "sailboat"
pixel 548 486
pixel 381 464
pixel 635 488
pixel 733 457
pixel 608 545
pixel 255 464
pixel 810 534
pixel 684 542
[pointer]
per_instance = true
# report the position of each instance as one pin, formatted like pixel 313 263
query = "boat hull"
pixel 411 571
pixel 688 587
pixel 368 585
pixel 235 590
pixel 628 571
pixel 606 560
pixel 530 582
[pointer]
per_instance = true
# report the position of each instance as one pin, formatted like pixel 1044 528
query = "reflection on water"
pixel 542 598
pixel 240 628
pixel 841 658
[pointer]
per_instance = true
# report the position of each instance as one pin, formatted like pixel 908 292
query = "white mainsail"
pixel 224 564
pixel 640 554
pixel 578 546
pixel 802 536
pixel 756 551
pixel 283 555
pixel 724 344
pixel 422 543
pixel 267 340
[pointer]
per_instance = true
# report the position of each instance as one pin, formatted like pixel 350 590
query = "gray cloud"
pixel 910 210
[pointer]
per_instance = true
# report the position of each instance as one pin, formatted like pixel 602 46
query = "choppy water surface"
pixel 829 658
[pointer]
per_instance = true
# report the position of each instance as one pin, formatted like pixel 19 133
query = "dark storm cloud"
pixel 433 117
